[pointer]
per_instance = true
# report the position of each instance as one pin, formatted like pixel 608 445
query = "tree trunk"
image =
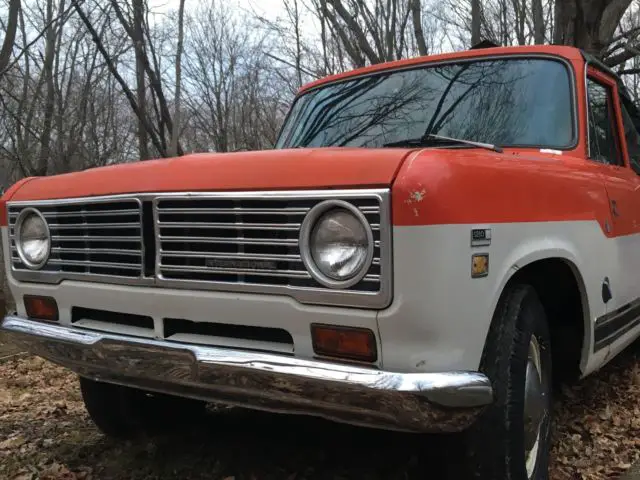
pixel 538 22
pixel 476 21
pixel 49 104
pixel 588 24
pixel 417 27
pixel 10 36
pixel 138 41
pixel 175 132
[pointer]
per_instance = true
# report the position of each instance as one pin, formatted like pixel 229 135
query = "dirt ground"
pixel 46 434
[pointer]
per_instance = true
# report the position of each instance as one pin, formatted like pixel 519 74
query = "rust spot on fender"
pixel 415 197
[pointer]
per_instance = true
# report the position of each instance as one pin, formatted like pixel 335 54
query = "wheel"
pixel 124 412
pixel 512 438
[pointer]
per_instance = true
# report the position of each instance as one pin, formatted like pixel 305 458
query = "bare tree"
pixel 136 32
pixel 538 22
pixel 175 133
pixel 10 34
pixel 476 21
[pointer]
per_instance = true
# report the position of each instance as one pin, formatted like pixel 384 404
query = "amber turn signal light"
pixel 41 308
pixel 344 342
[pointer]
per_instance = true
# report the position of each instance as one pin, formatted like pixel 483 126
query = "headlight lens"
pixel 33 240
pixel 337 245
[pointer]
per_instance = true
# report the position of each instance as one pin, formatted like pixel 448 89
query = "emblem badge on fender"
pixel 480 237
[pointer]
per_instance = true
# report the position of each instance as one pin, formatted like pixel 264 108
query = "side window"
pixel 603 138
pixel 631 135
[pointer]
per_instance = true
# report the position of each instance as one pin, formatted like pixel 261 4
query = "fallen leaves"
pixel 46 434
pixel 597 427
pixel 13 442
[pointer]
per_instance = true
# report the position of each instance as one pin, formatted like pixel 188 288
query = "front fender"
pixel 440 315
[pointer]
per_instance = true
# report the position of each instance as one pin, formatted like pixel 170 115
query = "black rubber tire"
pixel 495 443
pixel 126 413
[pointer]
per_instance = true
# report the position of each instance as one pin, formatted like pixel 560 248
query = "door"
pixel 608 147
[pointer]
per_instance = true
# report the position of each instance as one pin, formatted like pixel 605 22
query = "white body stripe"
pixel 439 317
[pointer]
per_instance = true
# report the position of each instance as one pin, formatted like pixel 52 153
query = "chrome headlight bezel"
pixel 24 214
pixel 306 230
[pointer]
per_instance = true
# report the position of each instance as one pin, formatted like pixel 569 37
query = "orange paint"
pixel 570 53
pixel 477 186
pixel 261 170
pixel 10 192
pixel 429 186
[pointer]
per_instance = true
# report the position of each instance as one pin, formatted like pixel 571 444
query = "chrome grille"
pixel 234 242
pixel 101 238
pixel 244 240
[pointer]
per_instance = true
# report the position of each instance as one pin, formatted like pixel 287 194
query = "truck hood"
pixel 259 170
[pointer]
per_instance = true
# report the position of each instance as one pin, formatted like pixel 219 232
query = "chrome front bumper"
pixel 417 402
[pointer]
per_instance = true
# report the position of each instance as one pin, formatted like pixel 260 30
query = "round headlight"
pixel 33 240
pixel 336 244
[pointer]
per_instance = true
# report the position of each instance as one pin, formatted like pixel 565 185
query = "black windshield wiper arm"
pixel 431 139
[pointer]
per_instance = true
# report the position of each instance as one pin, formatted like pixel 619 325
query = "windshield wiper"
pixel 431 139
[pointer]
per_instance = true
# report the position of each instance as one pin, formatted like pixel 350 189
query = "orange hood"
pixel 259 170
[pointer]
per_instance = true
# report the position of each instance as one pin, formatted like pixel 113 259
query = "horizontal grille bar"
pixel 253 211
pixel 224 240
pixel 89 263
pixel 239 256
pixel 86 226
pixel 96 238
pixel 238 225
pixel 263 272
pixel 89 214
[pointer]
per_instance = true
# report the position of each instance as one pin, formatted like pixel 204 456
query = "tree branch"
pixel 114 71
pixel 10 35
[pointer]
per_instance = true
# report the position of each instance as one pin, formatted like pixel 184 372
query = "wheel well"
pixel 559 291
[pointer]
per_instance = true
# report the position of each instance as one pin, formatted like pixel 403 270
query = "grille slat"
pixel 114 251
pixel 235 256
pixel 48 215
pixel 86 226
pixel 239 225
pixel 247 211
pixel 239 271
pixel 93 238
pixel 89 263
pixel 224 240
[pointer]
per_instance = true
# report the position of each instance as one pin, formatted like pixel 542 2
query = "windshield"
pixel 509 102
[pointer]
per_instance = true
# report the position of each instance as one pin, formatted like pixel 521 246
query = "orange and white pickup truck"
pixel 429 247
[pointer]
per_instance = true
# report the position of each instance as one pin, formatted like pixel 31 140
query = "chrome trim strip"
pixel 611 326
pixel 307 295
pixel 418 402
pixel 587 109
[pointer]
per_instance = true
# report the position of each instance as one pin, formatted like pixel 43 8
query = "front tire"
pixel 512 439
pixel 125 412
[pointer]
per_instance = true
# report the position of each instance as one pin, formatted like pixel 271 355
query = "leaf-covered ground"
pixel 45 433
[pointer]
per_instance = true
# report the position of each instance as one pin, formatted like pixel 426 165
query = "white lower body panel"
pixel 439 317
